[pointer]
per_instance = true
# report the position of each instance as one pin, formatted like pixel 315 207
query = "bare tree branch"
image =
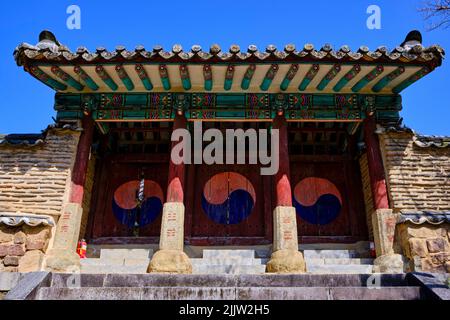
pixel 437 13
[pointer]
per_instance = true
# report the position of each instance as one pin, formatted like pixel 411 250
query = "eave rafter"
pixel 124 77
pixel 292 72
pixel 368 78
pixel 57 71
pixel 42 76
pixel 142 74
pixel 229 75
pixel 329 76
pixel 86 78
pixel 208 76
pixel 246 80
pixel 267 81
pixel 309 77
pixel 106 78
pixel 356 69
pixel 419 74
pixel 164 75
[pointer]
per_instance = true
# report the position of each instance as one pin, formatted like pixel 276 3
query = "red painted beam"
pixel 375 163
pixel 282 178
pixel 82 160
pixel 175 186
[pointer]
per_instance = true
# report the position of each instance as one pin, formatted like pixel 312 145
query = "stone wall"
pixel 22 248
pixel 426 246
pixel 87 196
pixel 418 178
pixel 367 191
pixel 34 179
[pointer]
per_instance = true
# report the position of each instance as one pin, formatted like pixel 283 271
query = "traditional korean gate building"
pixel 349 171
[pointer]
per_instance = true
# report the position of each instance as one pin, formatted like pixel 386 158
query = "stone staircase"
pixel 225 287
pixel 228 262
pixel 319 259
pixel 337 261
pixel 130 261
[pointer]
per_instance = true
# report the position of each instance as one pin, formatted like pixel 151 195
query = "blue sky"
pixel 27 105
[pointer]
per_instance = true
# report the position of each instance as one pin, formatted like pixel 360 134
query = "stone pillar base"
pixel 286 261
pixel 170 261
pixel 390 263
pixel 62 261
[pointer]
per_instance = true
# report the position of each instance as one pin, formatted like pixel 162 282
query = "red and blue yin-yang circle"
pixel 125 206
pixel 228 198
pixel 317 201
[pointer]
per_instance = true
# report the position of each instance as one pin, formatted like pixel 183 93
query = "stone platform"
pixel 48 286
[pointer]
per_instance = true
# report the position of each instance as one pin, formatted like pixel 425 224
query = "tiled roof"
pixel 425 217
pixel 46 51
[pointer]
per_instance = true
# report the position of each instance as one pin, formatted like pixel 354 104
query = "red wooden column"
pixel 282 178
pixel 82 160
pixel 175 192
pixel 375 164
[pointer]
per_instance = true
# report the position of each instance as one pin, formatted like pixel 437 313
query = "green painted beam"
pixel 289 76
pixel 124 77
pixel 310 75
pixel 405 84
pixel 347 78
pixel 248 77
pixel 106 78
pixel 142 74
pixel 164 75
pixel 329 76
pixel 207 74
pixel 229 75
pixel 267 81
pixel 86 78
pixel 67 78
pixel 42 76
pixel 185 78
pixel 368 78
pixel 388 79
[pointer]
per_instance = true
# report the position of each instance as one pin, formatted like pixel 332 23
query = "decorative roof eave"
pixel 330 71
pixel 419 218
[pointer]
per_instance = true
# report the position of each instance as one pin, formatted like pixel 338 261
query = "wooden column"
pixel 63 257
pixel 282 178
pixel 375 164
pixel 171 258
pixel 81 161
pixel 285 255
pixel 175 186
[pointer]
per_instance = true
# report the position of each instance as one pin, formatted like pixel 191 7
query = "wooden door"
pixel 228 202
pixel 328 201
pixel 117 213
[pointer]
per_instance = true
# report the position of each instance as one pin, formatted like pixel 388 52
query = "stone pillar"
pixel 171 258
pixel 63 257
pixel 384 220
pixel 285 255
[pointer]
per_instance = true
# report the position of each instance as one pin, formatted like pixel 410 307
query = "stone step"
pixel 358 246
pixel 228 261
pixel 228 269
pixel 114 262
pixel 221 254
pixel 229 293
pixel 334 254
pixel 339 268
pixel 126 253
pixel 108 268
pixel 341 261
pixel 226 280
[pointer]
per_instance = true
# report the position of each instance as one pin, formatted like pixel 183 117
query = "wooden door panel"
pixel 116 209
pixel 228 201
pixel 321 198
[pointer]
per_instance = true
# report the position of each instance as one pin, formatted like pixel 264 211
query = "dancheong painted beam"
pixel 226 106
